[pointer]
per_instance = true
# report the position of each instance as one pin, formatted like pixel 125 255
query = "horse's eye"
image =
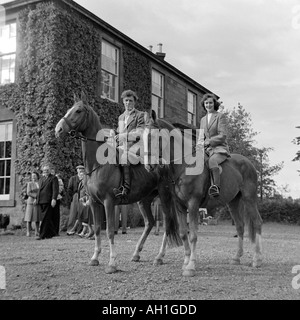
pixel 78 111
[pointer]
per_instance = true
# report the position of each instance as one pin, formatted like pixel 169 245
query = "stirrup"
pixel 119 192
pixel 214 191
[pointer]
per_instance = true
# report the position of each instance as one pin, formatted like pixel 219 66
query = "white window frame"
pixel 6 135
pixel 191 108
pixel 110 62
pixel 157 93
pixel 8 44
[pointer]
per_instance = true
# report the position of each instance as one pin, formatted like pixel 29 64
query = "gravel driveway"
pixel 58 268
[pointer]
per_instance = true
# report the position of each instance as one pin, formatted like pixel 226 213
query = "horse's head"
pixel 76 118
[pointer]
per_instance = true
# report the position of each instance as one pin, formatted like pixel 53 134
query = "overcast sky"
pixel 245 51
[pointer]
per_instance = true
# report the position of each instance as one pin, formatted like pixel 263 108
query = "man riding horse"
pixel 214 139
pixel 130 128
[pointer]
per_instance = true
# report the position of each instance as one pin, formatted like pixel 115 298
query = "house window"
pixel 109 72
pixel 157 102
pixel 191 108
pixel 7 53
pixel 5 159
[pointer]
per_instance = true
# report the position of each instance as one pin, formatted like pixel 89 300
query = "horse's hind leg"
pixel 145 209
pixel 236 209
pixel 162 251
pixel 255 230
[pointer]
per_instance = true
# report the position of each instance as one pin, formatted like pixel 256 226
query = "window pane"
pixel 2 149
pixel 8 162
pixel 109 85
pixel 1 185
pixel 2 166
pixel 7 69
pixel 157 83
pixel 8 38
pixel 109 71
pixel 8 132
pixel 7 149
pixel 7 185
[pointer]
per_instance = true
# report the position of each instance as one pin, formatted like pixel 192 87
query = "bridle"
pixel 74 133
pixel 74 130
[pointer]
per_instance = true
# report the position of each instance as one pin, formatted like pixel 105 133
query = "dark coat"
pixel 73 186
pixel 48 189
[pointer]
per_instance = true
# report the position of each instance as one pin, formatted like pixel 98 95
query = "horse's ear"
pixel 76 99
pixel 153 115
pixel 83 97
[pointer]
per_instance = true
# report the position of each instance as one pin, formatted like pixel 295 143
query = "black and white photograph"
pixel 149 151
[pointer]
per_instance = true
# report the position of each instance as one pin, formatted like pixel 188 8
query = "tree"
pixel 266 184
pixel 297 141
pixel 240 138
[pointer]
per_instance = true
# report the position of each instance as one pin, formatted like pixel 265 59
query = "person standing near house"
pixel 130 128
pixel 46 199
pixel 31 213
pixel 72 192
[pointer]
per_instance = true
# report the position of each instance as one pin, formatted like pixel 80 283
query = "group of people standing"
pixel 43 203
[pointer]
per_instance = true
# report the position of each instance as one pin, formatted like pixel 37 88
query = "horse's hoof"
pixel 135 258
pixel 236 261
pixel 158 262
pixel 257 263
pixel 94 263
pixel 111 269
pixel 189 273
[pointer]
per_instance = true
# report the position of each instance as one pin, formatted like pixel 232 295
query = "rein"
pixel 78 135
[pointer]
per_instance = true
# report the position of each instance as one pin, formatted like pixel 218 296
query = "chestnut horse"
pixel 190 183
pixel 103 175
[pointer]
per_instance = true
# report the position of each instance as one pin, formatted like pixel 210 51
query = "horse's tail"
pixel 171 222
pixel 252 219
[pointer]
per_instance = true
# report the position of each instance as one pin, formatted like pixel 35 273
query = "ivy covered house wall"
pixel 59 53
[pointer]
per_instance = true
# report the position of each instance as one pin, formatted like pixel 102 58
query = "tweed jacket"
pixel 134 126
pixel 215 133
pixel 48 189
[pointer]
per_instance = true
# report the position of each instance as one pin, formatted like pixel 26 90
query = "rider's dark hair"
pixel 129 93
pixel 210 95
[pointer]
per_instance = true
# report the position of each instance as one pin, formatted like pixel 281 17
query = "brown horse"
pixel 103 175
pixel 189 184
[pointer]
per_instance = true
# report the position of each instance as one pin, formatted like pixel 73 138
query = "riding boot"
pixel 214 190
pixel 122 192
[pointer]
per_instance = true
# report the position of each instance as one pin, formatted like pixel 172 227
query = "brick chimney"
pixel 161 55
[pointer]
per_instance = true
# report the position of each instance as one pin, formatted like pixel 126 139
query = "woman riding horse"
pixel 214 139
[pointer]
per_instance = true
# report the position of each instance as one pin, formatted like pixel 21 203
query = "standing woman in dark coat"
pixel 46 199
pixel 214 126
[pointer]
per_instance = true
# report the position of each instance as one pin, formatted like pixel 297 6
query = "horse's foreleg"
pixel 110 231
pixel 145 209
pixel 162 251
pixel 96 211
